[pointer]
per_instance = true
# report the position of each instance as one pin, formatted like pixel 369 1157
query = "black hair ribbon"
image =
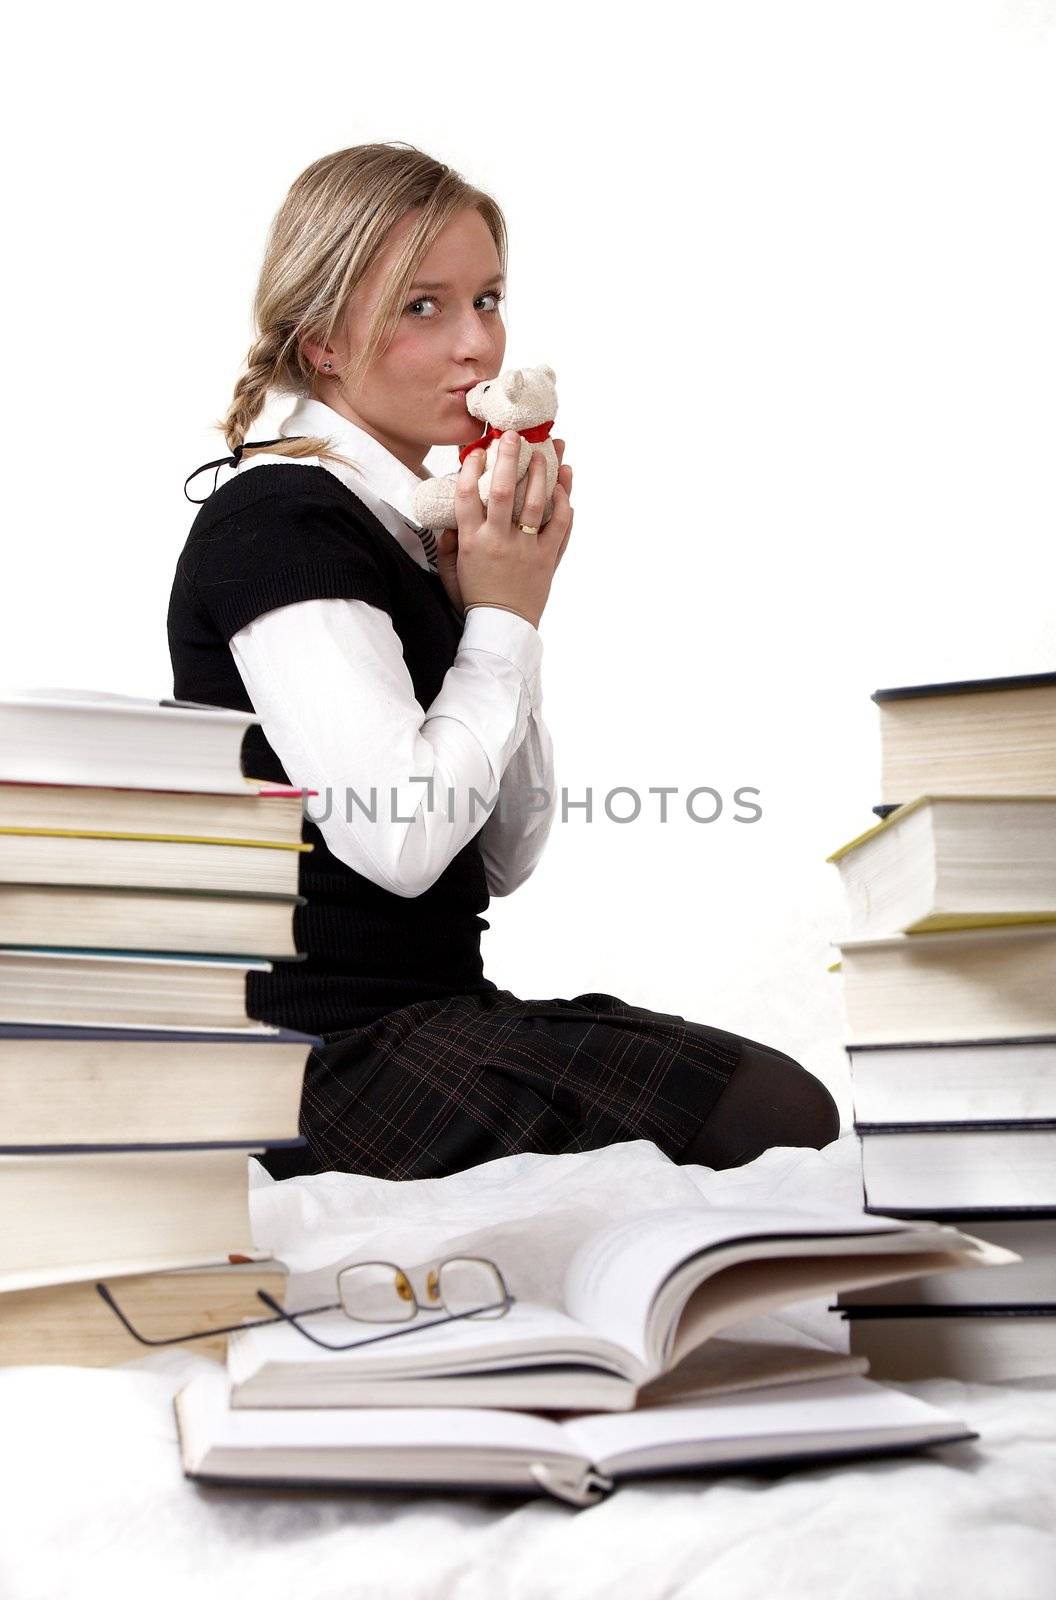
pixel 231 461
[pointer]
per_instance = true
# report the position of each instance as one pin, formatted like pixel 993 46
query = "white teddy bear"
pixel 525 399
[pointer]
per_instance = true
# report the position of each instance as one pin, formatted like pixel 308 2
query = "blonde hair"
pixel 323 240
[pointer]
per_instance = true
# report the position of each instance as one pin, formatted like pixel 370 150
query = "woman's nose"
pixel 475 339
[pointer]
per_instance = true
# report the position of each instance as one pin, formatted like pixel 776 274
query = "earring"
pixel 327 366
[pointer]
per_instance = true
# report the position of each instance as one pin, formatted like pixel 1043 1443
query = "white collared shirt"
pixel 310 667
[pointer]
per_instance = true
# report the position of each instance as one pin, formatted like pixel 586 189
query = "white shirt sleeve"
pixel 513 838
pixel 395 781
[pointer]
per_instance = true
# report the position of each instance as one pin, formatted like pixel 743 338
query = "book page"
pixel 746 1288
pixel 527 1335
pixel 211 1420
pixel 847 1410
pixel 724 1366
pixel 614 1279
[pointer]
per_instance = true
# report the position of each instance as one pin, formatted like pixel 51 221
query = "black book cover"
pixel 959 1214
pixel 250 1146
pixel 1026 680
pixel 955 1044
pixel 1024 1308
pixel 991 1125
pixel 70 1030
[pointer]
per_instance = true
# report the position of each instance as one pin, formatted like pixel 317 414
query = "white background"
pixel 793 264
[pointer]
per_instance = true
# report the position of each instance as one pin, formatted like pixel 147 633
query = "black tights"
pixel 769 1100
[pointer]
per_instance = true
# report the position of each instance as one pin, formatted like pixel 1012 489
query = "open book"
pixel 639 1297
pixel 576 1460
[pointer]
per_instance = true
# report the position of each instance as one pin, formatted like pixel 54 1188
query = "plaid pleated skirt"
pixel 441 1085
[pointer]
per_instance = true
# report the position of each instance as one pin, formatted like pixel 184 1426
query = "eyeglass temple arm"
pixel 376 1338
pixel 283 1316
pixel 181 1338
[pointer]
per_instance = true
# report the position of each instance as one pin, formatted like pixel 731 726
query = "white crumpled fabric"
pixel 527 1212
pixel 94 1502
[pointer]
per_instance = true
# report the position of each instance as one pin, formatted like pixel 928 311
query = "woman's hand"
pixel 447 543
pixel 447 566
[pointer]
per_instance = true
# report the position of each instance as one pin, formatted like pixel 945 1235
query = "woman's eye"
pixel 428 300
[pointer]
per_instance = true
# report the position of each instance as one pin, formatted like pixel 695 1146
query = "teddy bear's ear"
pixel 550 373
pixel 514 385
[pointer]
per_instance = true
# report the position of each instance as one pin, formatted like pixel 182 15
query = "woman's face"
pixel 450 332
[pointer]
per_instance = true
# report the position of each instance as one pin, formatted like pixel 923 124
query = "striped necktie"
pixel 428 539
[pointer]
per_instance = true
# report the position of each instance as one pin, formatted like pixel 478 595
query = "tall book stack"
pixel 143 876
pixel 949 979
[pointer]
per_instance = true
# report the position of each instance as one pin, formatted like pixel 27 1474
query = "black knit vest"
pixel 269 537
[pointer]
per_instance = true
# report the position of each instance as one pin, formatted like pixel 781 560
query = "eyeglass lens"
pixel 379 1291
pixel 465 1284
pixel 376 1291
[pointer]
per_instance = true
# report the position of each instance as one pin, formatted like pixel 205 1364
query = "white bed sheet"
pixel 94 1502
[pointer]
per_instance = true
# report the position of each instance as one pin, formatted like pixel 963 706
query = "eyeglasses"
pixel 376 1291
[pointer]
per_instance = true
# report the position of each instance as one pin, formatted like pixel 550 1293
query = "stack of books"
pixel 635 1372
pixel 949 980
pixel 143 876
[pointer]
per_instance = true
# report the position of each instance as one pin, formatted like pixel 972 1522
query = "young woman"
pixel 399 677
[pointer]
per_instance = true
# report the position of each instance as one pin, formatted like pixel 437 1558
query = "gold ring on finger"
pixel 526 527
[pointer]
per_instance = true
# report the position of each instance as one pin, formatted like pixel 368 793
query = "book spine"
pixel 585 1488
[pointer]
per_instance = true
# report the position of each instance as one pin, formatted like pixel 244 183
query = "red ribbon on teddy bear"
pixel 534 435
